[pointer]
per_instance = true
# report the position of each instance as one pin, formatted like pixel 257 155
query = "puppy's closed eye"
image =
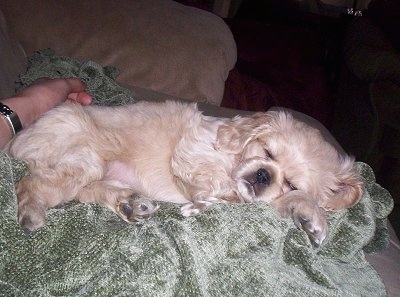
pixel 268 154
pixel 290 185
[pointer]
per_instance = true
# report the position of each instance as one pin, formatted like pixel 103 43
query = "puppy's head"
pixel 277 154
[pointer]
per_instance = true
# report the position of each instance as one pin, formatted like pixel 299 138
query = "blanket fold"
pixel 230 250
pixel 99 80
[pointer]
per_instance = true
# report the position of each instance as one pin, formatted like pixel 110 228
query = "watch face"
pixel 12 118
pixel 5 110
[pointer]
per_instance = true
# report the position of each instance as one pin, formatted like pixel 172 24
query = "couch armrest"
pixel 156 44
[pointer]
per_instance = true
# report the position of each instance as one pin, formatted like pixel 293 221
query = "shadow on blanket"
pixel 231 250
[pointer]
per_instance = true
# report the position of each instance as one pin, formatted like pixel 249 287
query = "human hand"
pixel 40 97
pixel 54 91
pixel 43 95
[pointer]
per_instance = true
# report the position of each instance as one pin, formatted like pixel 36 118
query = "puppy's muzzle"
pixel 257 181
pixel 254 177
pixel 263 177
pixel 253 184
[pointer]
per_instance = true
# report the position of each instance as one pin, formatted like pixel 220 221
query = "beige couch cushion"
pixel 12 59
pixel 157 44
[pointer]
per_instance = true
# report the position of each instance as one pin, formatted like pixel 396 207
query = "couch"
pixel 165 50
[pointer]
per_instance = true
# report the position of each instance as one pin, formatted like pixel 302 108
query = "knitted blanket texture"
pixel 230 250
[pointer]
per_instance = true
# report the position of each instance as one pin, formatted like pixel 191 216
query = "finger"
pixel 75 85
pixel 81 97
pixel 84 98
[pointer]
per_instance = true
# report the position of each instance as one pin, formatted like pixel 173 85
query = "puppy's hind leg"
pixel 31 206
pixel 120 198
pixel 50 185
pixel 39 191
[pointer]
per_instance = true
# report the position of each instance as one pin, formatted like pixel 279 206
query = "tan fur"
pixel 125 157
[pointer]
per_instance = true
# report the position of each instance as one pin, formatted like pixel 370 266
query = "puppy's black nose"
pixel 263 177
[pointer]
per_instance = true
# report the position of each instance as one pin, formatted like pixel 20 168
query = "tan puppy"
pixel 124 157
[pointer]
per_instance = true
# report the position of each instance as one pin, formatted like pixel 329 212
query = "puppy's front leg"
pixel 198 206
pixel 306 214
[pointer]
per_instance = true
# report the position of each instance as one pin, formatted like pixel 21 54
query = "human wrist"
pixel 23 108
pixel 11 118
pixel 6 132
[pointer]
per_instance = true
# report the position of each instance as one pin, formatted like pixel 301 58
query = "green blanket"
pixel 230 250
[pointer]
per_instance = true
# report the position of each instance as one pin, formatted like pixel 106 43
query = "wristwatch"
pixel 11 117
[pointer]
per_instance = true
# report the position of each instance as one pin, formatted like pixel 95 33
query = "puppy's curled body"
pixel 125 157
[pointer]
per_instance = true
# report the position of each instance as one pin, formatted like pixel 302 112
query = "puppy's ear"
pixel 347 192
pixel 233 136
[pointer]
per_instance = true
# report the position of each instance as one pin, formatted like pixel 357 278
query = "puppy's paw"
pixel 135 208
pixel 189 210
pixel 313 221
pixel 306 214
pixel 31 211
pixel 197 207
pixel 31 217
